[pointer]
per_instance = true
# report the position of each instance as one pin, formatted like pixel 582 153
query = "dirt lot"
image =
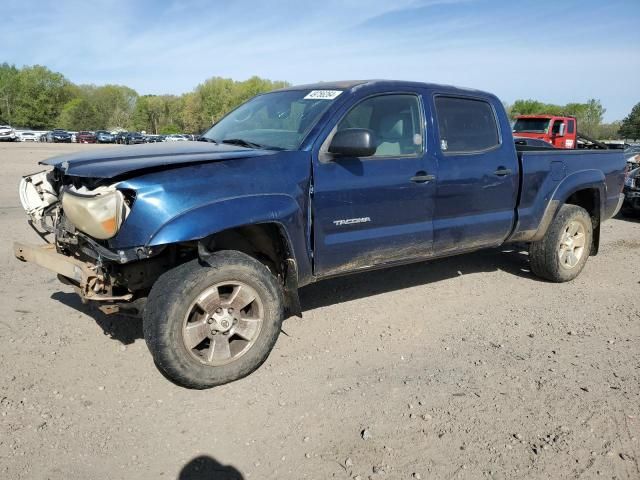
pixel 462 368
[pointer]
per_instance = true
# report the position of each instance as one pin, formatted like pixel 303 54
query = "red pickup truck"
pixel 561 132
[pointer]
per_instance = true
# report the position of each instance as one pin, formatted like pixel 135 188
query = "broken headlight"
pixel 98 213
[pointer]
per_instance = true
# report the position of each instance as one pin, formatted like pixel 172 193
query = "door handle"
pixel 422 177
pixel 501 171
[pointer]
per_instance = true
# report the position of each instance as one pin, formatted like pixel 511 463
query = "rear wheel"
pixel 207 325
pixel 561 255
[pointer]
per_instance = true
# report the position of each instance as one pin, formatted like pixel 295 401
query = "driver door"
pixel 374 210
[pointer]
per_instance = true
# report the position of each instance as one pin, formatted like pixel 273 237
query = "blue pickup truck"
pixel 209 241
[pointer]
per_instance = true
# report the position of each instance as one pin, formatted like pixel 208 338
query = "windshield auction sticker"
pixel 322 94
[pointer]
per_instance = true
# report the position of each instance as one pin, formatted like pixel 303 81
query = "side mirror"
pixel 353 142
pixel 561 130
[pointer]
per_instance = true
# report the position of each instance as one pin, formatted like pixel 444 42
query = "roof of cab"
pixel 391 84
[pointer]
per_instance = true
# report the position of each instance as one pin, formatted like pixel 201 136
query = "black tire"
pixel 544 255
pixel 172 298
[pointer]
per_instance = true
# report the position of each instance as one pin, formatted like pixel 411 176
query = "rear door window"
pixel 466 125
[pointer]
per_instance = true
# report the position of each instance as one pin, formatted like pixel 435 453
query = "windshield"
pixel 278 120
pixel 533 125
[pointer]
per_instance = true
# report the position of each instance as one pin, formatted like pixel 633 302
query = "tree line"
pixel 38 98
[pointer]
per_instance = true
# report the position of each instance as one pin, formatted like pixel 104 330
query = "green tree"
pixel 8 91
pixel 609 131
pixel 170 129
pixel 114 105
pixel 215 97
pixel 79 114
pixel 153 113
pixel 630 127
pixel 38 97
pixel 534 107
pixel 589 115
pixel 192 114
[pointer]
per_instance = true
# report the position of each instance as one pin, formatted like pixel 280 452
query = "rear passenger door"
pixel 477 175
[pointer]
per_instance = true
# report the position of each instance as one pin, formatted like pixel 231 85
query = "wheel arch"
pixel 266 227
pixel 591 200
pixel 268 243
pixel 586 189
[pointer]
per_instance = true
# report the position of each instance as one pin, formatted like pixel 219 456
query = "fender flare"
pixel 572 183
pixel 217 216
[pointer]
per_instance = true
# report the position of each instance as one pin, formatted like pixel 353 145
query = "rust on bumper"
pixel 47 257
pixel 88 282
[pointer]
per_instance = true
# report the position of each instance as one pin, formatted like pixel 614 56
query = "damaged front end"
pixel 77 218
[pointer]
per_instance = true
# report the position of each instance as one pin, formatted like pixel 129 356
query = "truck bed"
pixel 549 177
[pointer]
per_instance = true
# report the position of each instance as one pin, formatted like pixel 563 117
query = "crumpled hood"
pixel 114 162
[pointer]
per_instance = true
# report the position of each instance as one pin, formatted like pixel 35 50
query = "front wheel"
pixel 561 255
pixel 210 324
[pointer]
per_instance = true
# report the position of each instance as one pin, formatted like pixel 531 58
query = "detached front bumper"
pixel 85 277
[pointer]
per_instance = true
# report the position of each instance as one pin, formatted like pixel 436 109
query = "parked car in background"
pixel 85 136
pixel 133 138
pixel 28 137
pixel 7 133
pixel 102 136
pixel 615 144
pixel 176 138
pixel 532 142
pixel 153 138
pixel 119 137
pixel 57 135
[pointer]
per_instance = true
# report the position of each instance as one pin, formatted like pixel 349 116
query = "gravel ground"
pixel 467 367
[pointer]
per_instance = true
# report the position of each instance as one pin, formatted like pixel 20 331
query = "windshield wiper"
pixel 242 143
pixel 206 139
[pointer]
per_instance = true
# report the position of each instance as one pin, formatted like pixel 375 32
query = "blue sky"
pixel 550 50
